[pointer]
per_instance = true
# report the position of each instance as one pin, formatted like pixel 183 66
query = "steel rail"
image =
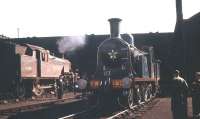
pixel 131 108
pixel 33 106
pixel 79 113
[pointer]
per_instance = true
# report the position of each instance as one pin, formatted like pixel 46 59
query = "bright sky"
pixel 78 17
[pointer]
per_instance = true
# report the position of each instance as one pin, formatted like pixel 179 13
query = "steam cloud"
pixel 70 43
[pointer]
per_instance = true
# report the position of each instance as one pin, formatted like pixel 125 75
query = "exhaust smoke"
pixel 70 43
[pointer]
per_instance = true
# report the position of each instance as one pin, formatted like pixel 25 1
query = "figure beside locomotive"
pixel 124 73
pixel 28 69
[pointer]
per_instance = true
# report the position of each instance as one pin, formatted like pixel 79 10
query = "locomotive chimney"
pixel 114 27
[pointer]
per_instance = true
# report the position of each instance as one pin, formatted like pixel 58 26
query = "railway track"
pixel 113 112
pixel 56 109
pixel 136 111
pixel 92 112
pixel 32 105
pixel 80 114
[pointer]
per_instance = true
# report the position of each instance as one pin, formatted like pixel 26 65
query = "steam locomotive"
pixel 124 73
pixel 28 69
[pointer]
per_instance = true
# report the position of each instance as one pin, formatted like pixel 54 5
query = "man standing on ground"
pixel 179 96
pixel 196 96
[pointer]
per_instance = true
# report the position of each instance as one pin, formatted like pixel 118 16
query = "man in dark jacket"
pixel 179 97
pixel 196 96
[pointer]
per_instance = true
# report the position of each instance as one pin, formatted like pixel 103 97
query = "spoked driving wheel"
pixel 37 89
pixel 147 93
pixel 128 100
pixel 138 95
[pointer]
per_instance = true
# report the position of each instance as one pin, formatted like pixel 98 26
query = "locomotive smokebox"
pixel 114 27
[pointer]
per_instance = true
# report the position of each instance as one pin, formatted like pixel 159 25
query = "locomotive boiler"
pixel 124 73
pixel 28 69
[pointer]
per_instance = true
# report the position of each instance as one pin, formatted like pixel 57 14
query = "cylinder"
pixel 114 27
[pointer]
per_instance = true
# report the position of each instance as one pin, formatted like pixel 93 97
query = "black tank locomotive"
pixel 124 73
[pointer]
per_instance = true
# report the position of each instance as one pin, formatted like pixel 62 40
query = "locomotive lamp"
pixel 126 82
pixel 82 84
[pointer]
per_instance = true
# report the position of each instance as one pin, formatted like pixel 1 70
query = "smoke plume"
pixel 70 43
